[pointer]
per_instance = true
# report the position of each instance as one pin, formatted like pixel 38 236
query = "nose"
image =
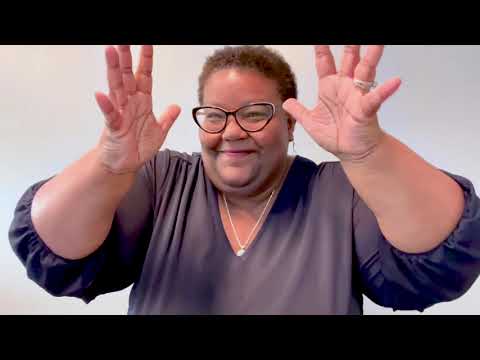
pixel 233 131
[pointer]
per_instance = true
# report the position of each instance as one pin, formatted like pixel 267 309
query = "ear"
pixel 291 127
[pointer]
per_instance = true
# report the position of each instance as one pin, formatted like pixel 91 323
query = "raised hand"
pixel 132 134
pixel 344 122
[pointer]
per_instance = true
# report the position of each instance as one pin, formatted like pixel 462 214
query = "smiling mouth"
pixel 236 154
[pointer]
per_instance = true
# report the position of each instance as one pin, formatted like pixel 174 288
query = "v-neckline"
pixel 226 245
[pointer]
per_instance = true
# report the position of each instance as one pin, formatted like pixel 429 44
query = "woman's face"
pixel 237 161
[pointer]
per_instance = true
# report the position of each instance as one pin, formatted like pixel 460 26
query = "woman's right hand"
pixel 132 135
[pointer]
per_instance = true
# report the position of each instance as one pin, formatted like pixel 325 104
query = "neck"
pixel 250 203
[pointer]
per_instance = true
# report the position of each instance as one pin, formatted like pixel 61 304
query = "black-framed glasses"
pixel 251 118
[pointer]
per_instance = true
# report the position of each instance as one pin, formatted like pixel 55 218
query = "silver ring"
pixel 365 85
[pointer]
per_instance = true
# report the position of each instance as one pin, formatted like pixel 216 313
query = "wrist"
pixel 373 157
pixel 106 176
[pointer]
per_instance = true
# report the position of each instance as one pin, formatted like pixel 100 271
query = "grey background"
pixel 49 118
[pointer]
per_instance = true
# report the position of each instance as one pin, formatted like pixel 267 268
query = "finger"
pixel 115 82
pixel 324 61
pixel 113 98
pixel 112 117
pixel 367 68
pixel 168 117
pixel 144 70
pixel 371 102
pixel 125 58
pixel 111 93
pixel 296 110
pixel 351 58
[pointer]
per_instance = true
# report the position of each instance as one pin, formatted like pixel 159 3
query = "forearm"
pixel 416 205
pixel 73 212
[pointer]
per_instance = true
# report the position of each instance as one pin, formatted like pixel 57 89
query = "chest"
pixel 241 226
pixel 299 262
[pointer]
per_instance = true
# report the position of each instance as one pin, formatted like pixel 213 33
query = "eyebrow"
pixel 214 104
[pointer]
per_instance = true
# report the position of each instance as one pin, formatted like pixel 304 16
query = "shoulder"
pixel 326 182
pixel 168 155
pixel 327 172
pixel 168 159
pixel 169 166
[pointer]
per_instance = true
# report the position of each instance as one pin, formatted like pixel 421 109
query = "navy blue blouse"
pixel 319 250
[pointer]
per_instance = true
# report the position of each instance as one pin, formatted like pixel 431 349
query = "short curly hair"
pixel 266 61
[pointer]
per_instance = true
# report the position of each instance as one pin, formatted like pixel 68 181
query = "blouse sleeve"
pixel 115 265
pixel 402 281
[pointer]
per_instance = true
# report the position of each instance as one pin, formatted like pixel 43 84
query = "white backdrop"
pixel 49 118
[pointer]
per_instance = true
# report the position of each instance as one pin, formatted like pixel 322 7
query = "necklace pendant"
pixel 240 252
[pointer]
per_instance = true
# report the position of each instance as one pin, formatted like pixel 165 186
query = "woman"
pixel 243 227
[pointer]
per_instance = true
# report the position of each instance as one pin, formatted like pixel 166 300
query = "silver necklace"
pixel 243 247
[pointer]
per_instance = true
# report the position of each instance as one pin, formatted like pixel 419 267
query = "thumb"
pixel 112 117
pixel 168 117
pixel 296 110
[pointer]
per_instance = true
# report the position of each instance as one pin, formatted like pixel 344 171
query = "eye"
pixel 255 113
pixel 212 115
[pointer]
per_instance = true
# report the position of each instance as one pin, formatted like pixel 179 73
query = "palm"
pixel 337 122
pixel 139 132
pixel 344 121
pixel 133 135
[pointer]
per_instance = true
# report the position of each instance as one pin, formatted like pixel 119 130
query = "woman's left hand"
pixel 344 122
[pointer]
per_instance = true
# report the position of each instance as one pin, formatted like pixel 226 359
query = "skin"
pixel 239 163
pixel 416 205
pixel 245 166
pixel 97 182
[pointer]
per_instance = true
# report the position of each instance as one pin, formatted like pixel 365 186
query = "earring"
pixel 293 145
